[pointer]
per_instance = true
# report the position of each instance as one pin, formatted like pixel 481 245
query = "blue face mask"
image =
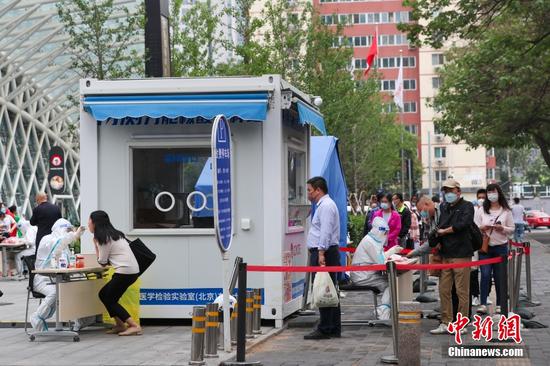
pixel 424 214
pixel 451 197
pixel 384 206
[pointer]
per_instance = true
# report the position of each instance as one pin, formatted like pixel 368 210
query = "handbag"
pixel 144 256
pixel 486 238
pixel 435 259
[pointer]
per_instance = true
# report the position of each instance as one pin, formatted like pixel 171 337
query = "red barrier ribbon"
pixel 347 250
pixel 377 267
pixel 526 249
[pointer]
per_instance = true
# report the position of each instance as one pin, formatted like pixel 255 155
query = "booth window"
pixel 297 193
pixel 172 188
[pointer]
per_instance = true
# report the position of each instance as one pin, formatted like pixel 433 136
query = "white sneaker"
pixel 489 302
pixel 482 309
pixel 475 301
pixel 441 329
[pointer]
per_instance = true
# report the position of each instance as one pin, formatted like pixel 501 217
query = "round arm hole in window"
pixel 165 193
pixel 191 207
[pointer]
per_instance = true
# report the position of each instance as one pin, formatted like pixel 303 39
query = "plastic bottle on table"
pixel 72 259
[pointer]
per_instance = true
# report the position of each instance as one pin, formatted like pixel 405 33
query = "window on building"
pixel 297 194
pixel 409 84
pixel 440 175
pixel 388 85
pixel 437 130
pixel 409 107
pixel 436 82
pixel 411 129
pixel 163 181
pixel 438 59
pixel 440 152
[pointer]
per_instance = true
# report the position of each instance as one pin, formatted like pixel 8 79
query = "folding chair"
pixel 29 262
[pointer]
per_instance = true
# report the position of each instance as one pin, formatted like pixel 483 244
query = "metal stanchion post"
pixel 409 333
pixel 504 285
pixel 257 314
pixel 519 259
pixel 249 313
pixel 211 334
pixel 197 336
pixel 422 297
pixel 392 279
pixel 241 323
pixel 220 328
pixel 527 246
pixel 511 278
pixel 234 325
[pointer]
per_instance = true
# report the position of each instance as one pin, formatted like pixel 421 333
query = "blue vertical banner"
pixel 221 166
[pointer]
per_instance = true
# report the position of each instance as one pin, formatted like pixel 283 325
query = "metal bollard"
pixel 197 336
pixel 249 313
pixel 392 279
pixel 233 325
pixel 211 335
pixel 409 333
pixel 257 314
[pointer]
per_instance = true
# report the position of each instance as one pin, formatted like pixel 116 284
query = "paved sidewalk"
pixel 159 345
pixel 363 345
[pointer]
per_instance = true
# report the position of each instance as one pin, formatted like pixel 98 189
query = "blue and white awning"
pixel 311 116
pixel 140 109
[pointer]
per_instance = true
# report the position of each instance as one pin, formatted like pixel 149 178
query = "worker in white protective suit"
pixel 29 236
pixel 51 246
pixel 370 251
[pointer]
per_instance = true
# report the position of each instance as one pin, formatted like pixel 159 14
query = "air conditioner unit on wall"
pixel 439 137
pixel 439 161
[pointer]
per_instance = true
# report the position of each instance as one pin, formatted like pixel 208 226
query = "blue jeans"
pixel 496 271
pixel 518 233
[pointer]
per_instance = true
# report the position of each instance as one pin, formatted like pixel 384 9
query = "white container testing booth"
pixel 145 159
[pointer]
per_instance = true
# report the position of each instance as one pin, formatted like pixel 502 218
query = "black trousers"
pixel 329 322
pixel 113 291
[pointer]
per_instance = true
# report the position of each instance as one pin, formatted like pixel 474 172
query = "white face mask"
pixel 493 197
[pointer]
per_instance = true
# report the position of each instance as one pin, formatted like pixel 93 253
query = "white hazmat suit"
pixel 370 251
pixel 51 246
pixel 29 236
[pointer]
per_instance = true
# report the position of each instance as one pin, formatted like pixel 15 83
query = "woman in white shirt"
pixel 112 248
pixel 495 221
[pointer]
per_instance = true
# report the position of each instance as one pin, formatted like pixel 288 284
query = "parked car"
pixel 537 218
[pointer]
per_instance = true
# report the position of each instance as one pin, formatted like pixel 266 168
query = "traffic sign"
pixel 221 167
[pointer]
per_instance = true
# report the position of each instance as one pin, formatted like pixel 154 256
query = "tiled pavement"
pixel 363 345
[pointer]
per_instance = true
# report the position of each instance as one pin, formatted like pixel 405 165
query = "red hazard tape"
pixel 377 267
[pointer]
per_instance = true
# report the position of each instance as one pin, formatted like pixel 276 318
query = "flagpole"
pixel 402 130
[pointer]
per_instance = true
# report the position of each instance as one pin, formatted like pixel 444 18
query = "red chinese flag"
pixel 373 51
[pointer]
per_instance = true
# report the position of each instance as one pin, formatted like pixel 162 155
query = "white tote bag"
pixel 324 292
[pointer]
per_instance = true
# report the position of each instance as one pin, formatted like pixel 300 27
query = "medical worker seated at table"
pixel 52 246
pixel 370 251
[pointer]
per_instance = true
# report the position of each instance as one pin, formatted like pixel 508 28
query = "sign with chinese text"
pixel 221 167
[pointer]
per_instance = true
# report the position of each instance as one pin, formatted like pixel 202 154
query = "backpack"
pixel 476 237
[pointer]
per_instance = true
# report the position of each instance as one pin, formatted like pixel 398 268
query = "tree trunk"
pixel 544 148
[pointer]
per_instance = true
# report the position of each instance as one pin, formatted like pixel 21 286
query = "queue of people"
pixel 455 231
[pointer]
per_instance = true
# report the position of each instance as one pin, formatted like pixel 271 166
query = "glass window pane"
pixel 178 172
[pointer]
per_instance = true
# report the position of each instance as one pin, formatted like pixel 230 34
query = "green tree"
pixel 496 88
pixel 370 140
pixel 103 37
pixel 196 38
